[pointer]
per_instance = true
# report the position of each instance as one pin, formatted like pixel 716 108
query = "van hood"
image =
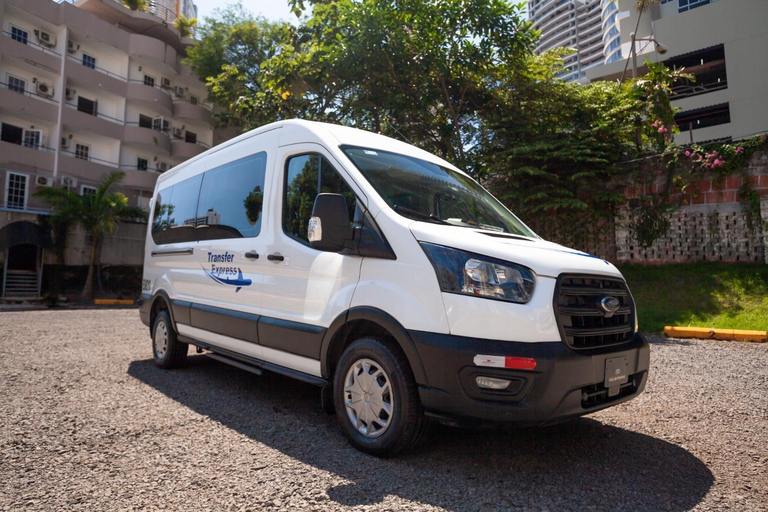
pixel 544 258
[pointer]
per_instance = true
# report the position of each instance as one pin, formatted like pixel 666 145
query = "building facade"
pixel 722 43
pixel 576 24
pixel 87 89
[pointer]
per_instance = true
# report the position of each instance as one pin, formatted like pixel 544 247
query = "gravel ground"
pixel 88 423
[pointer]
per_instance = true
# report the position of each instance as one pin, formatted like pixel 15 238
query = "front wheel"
pixel 376 398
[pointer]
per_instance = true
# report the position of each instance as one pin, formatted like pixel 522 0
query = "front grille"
pixel 583 323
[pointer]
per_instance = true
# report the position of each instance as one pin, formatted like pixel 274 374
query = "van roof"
pixel 331 134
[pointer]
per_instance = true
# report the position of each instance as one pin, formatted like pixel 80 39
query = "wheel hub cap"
pixel 368 398
pixel 161 340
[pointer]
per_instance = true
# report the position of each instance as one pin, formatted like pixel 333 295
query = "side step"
pixel 234 362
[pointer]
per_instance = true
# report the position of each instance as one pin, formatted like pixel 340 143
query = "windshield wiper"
pixel 425 216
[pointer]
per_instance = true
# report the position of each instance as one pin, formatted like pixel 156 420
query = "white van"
pixel 387 276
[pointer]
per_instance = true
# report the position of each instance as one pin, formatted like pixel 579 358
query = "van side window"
pixel 175 207
pixel 231 199
pixel 304 176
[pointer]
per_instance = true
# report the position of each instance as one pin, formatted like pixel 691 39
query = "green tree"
pixel 99 214
pixel 230 58
pixel 185 26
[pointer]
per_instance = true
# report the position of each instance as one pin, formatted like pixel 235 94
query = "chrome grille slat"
pixel 582 322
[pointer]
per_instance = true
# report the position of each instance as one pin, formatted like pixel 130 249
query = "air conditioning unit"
pixel 165 83
pixel 71 93
pixel 162 166
pixel 44 89
pixel 72 47
pixel 44 181
pixel 68 182
pixel 178 133
pixel 45 38
pixel 65 143
pixel 180 92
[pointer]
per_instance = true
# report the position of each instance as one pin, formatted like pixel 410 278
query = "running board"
pixel 249 363
pixel 235 363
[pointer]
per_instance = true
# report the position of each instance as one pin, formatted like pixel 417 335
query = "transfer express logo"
pixel 223 273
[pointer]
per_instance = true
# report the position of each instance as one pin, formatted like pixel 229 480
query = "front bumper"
pixel 565 383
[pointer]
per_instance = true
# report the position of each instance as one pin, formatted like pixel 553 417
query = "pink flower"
pixel 717 163
pixel 739 149
pixel 663 130
pixel 688 154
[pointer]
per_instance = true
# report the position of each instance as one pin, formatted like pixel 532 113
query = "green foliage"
pixel 186 26
pixel 99 214
pixel 136 5
pixel 719 295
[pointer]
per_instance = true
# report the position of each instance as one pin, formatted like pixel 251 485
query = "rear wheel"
pixel 167 350
pixel 376 398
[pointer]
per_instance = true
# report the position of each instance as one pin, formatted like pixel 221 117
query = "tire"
pixel 388 418
pixel 167 350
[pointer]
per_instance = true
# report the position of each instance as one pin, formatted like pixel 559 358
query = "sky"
pixel 271 9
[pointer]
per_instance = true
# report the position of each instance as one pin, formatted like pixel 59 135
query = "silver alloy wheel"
pixel 368 397
pixel 161 339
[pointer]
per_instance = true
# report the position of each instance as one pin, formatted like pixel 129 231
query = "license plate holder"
pixel 616 374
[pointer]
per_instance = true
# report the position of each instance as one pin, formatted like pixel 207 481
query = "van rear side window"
pixel 175 209
pixel 231 199
pixel 224 202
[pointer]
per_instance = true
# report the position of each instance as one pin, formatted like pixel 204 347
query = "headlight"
pixel 472 274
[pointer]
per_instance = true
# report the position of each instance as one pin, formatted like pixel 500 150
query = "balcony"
pixel 152 96
pixel 145 47
pixel 31 157
pixel 94 78
pixel 154 22
pixel 185 110
pixel 96 122
pixel 183 150
pixel 91 169
pixel 147 139
pixel 28 103
pixel 135 178
pixel 30 52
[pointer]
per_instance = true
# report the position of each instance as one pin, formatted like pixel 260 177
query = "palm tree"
pixel 185 26
pixel 99 213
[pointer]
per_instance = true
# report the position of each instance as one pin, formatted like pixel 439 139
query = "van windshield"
pixel 428 192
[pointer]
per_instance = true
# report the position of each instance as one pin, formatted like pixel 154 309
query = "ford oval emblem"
pixel 610 305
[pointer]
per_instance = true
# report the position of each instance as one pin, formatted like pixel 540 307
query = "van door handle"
pixel 275 257
pixel 252 255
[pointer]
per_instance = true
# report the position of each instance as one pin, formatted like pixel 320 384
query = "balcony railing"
pixel 97 68
pixel 115 120
pixel 148 168
pixel 142 125
pixel 90 158
pixel 198 104
pixel 42 48
pixel 155 86
pixel 693 89
pixel 26 92
pixel 36 147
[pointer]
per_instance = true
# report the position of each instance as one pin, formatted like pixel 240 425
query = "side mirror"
pixel 328 228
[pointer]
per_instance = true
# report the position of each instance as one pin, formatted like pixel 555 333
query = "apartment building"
pixel 576 24
pixel 86 89
pixel 722 43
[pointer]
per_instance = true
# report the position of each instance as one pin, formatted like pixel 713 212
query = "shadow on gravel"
pixel 581 464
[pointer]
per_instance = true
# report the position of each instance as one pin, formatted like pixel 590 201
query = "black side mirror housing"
pixel 328 228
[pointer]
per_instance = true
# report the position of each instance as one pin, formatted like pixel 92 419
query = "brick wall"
pixel 711 224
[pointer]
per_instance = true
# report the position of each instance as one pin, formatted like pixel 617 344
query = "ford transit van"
pixel 389 278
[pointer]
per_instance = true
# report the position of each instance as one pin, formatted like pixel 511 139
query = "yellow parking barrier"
pixel 114 302
pixel 705 333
